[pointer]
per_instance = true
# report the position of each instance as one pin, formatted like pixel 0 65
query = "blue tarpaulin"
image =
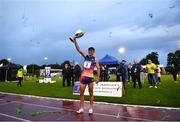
pixel 108 60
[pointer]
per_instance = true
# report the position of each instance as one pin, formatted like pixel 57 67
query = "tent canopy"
pixel 10 66
pixel 108 60
pixel 8 72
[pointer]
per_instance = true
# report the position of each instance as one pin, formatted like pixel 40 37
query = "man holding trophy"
pixel 87 75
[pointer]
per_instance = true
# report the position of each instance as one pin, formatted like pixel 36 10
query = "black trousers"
pixel 19 81
pixel 159 79
pixel 77 77
pixel 175 76
pixel 104 77
pixel 136 78
pixel 68 79
pixel 72 80
pixel 129 77
pixel 121 78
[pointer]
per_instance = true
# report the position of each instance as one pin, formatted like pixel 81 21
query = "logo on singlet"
pixel 87 64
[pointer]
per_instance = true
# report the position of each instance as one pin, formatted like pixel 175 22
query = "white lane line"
pixel 72 110
pixel 75 111
pixel 14 117
pixel 7 103
pixel 114 104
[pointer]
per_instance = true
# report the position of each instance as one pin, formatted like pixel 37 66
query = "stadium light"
pixel 45 58
pixel 121 50
pixel 9 59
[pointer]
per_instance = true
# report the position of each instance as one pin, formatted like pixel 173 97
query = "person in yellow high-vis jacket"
pixel 19 77
pixel 151 67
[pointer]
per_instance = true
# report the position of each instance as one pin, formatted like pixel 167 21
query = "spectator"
pixel 126 71
pixel 158 74
pixel 121 72
pixel 151 67
pixel 142 73
pixel 19 77
pixel 136 69
pixel 108 74
pixel 174 72
pixel 129 72
pixel 104 73
pixel 72 77
pixel 77 72
pixel 66 75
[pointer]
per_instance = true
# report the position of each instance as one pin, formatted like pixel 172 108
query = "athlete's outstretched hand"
pixel 97 81
pixel 73 39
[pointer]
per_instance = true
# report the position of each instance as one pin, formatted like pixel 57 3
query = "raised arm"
pixel 98 71
pixel 78 47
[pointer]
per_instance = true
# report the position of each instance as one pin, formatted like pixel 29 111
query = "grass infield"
pixel 167 93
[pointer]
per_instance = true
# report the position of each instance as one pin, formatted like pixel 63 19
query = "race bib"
pixel 87 64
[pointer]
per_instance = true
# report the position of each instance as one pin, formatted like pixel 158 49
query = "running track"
pixel 66 110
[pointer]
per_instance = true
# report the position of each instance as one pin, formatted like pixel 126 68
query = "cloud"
pixel 135 34
pixel 41 28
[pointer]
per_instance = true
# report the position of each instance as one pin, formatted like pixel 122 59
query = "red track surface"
pixel 66 110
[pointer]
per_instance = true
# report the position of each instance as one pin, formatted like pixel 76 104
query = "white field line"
pixel 14 117
pixel 129 105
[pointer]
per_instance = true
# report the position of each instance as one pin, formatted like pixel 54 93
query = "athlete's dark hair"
pixel 91 48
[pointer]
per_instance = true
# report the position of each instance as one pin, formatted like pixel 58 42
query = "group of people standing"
pixel 137 72
pixel 126 72
pixel 70 74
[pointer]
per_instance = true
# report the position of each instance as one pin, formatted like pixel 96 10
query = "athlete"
pixel 87 75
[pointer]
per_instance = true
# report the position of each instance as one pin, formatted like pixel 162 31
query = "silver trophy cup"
pixel 78 34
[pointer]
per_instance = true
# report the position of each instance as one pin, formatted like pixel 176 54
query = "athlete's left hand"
pixel 73 39
pixel 97 80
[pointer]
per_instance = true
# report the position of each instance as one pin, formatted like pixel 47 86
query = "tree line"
pixel 172 58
